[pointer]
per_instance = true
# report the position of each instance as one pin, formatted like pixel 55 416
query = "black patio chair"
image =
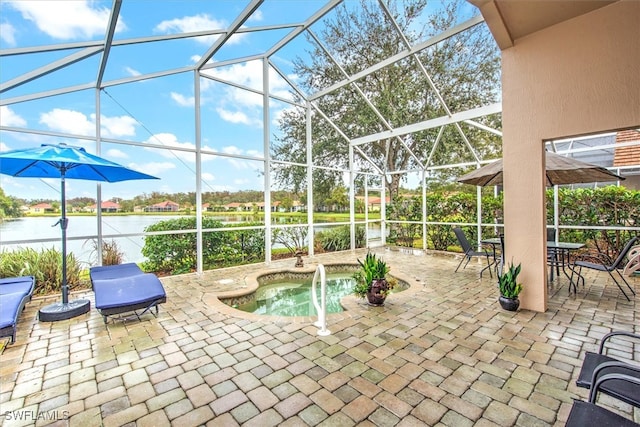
pixel 553 257
pixel 596 365
pixel 601 262
pixel 589 414
pixel 470 252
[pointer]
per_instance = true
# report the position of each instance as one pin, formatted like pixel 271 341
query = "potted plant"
pixel 509 287
pixel 371 280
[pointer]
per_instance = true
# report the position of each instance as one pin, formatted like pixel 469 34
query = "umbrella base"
pixel 59 311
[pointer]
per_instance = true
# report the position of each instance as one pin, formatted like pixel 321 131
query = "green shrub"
pixel 176 253
pixel 405 209
pixel 45 265
pixel 610 205
pixel 339 238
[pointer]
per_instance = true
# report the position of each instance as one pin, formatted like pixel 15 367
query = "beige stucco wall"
pixel 577 77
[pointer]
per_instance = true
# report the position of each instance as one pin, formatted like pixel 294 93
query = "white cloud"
pixel 68 121
pixel 9 118
pixel 9 181
pixel 4 147
pixel 256 16
pixel 75 122
pixel 152 168
pixel 254 153
pixel 114 153
pixel 200 22
pixel 8 33
pixel 208 177
pixel 112 127
pixel 250 74
pixel 233 116
pixel 232 149
pixel 247 74
pixel 183 101
pixel 241 164
pixel 169 140
pixel 65 20
pixel 132 72
pixel 246 106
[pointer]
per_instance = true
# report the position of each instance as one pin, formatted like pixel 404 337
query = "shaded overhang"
pixel 510 20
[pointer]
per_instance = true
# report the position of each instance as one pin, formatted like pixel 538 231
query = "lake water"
pixel 80 232
pixel 81 229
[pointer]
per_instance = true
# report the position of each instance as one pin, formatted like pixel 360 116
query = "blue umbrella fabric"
pixel 64 161
pixel 57 161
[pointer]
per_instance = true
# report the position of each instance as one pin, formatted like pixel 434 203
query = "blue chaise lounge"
pixel 15 293
pixel 125 288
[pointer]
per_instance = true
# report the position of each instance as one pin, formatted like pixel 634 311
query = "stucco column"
pixel 524 208
pixel 524 180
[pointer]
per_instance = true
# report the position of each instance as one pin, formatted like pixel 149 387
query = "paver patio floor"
pixel 441 353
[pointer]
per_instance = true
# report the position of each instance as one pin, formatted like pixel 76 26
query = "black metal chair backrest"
pixel 551 234
pixel 619 262
pixel 462 239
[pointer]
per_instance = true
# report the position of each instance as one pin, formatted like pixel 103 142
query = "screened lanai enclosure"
pixel 329 110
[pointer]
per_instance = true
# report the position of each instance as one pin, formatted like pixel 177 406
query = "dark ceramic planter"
pixel 377 295
pixel 509 304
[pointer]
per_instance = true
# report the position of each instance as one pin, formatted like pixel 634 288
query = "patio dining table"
pixel 562 251
pixel 561 254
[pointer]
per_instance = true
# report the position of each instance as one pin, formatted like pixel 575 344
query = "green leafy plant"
pixel 508 281
pixel 45 265
pixel 372 268
pixel 176 253
pixel 338 239
pixel 409 210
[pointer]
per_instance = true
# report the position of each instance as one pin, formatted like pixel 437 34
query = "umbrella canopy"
pixel 559 170
pixel 57 161
pixel 64 161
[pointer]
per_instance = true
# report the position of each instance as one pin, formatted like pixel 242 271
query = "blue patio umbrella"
pixel 64 161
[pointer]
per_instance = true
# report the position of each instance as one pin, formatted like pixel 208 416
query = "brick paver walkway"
pixel 442 353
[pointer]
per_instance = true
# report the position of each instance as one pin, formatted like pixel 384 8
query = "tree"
pixel 9 206
pixel 286 203
pixel 339 199
pixel 464 68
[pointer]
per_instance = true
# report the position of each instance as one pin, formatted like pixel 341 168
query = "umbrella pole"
pixel 63 227
pixel 64 310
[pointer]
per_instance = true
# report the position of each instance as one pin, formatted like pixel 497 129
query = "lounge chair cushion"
pixel 15 292
pixel 12 285
pixel 127 290
pixel 11 306
pixel 115 271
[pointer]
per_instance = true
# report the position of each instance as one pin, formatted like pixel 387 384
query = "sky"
pixel 156 112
